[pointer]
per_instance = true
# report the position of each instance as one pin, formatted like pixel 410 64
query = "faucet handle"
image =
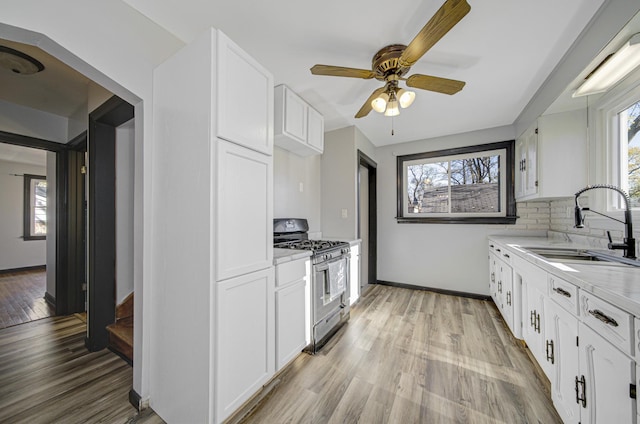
pixel 609 236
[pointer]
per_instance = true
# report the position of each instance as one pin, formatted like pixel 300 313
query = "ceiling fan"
pixel 392 62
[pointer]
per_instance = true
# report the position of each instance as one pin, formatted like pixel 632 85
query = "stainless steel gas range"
pixel 330 283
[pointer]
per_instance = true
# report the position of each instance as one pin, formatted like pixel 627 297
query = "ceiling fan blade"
pixel 340 71
pixel 366 107
pixel 440 85
pixel 449 14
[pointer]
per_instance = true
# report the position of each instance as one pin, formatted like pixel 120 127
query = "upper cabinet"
pixel 298 127
pixel 551 156
pixel 245 98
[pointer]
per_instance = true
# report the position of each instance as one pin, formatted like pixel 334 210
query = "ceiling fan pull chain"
pixel 392 125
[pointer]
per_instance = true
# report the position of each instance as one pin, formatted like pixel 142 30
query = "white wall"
pixel 16 252
pixel 429 255
pixel 23 120
pixel 340 179
pixel 51 224
pixel 125 144
pixel 291 174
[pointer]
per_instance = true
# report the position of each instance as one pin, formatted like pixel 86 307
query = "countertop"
pixel 615 283
pixel 281 256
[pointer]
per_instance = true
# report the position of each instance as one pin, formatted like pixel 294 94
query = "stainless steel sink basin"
pixel 580 255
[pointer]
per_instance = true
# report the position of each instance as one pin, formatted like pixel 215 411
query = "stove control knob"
pixel 327 257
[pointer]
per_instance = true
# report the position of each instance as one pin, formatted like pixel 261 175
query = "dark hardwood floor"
pixel 22 297
pixel 48 376
pixel 410 356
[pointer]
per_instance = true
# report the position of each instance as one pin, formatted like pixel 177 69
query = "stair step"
pixel 121 338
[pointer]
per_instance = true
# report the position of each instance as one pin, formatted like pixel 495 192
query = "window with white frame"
pixel 468 185
pixel 629 151
pixel 35 207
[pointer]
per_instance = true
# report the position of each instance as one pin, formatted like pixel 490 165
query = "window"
pixel 463 185
pixel 629 148
pixel 35 207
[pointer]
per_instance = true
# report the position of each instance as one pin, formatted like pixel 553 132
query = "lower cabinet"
pixel 244 339
pixel 561 349
pixel 292 301
pixel 354 274
pixel 533 318
pixel 290 322
pixel 604 384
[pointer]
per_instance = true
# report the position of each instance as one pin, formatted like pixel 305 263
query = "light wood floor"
pixel 22 297
pixel 411 356
pixel 48 376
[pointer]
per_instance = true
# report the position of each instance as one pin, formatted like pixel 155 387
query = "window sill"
pixel 26 238
pixel 501 220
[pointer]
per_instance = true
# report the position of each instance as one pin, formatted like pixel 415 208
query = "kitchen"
pixel 312 196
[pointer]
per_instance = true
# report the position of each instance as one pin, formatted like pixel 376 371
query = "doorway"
pixel 367 221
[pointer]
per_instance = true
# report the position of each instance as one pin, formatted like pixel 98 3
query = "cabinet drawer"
pixel 289 272
pixel 607 320
pixel 564 293
pixel 501 252
pixel 637 348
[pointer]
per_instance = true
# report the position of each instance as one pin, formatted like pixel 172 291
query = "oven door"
pixel 322 305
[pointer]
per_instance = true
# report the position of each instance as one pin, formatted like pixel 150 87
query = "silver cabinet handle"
pixel 562 292
pixel 603 317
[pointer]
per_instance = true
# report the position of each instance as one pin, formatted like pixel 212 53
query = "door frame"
pixel 371 165
pixel 69 291
pixel 101 284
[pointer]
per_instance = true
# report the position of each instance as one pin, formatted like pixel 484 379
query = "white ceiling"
pixel 503 49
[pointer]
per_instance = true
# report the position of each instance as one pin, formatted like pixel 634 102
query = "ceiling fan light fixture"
pixel 392 109
pixel 379 104
pixel 405 97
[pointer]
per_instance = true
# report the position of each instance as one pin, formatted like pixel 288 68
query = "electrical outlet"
pixel 568 212
pixel 344 213
pixel 301 187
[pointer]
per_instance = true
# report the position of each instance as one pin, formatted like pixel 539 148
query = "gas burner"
pixel 314 245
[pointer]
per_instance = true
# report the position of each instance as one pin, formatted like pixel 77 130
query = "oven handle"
pixel 325 265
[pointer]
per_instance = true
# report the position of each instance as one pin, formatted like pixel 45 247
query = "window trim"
pixel 27 207
pixel 510 207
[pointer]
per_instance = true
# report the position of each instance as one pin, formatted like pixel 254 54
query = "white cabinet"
pixel 354 273
pixel 244 210
pixel 603 385
pixel 244 338
pixel 292 299
pixel 526 177
pixel 298 127
pixel 543 153
pixel 534 293
pixel 502 288
pixel 244 98
pixel 212 342
pixel 561 349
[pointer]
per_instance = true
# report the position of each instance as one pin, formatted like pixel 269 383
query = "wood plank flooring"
pixel 48 376
pixel 22 297
pixel 411 356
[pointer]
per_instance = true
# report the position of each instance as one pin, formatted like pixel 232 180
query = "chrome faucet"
pixel 629 243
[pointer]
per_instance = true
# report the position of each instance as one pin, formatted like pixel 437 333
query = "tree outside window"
pixel 630 146
pixel 35 207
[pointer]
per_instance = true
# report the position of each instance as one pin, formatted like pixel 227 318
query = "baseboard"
pixel 136 400
pixel 25 268
pixel 435 290
pixel 50 300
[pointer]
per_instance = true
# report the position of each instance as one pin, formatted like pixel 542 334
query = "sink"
pixel 580 255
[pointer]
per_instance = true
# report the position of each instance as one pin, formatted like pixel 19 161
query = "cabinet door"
pixel 315 130
pixel 244 339
pixel 494 276
pixel 521 146
pixel 561 350
pixel 244 241
pixel 531 163
pixel 506 275
pixel 290 322
pixel 607 375
pixel 245 98
pixel 295 116
pixel 534 324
